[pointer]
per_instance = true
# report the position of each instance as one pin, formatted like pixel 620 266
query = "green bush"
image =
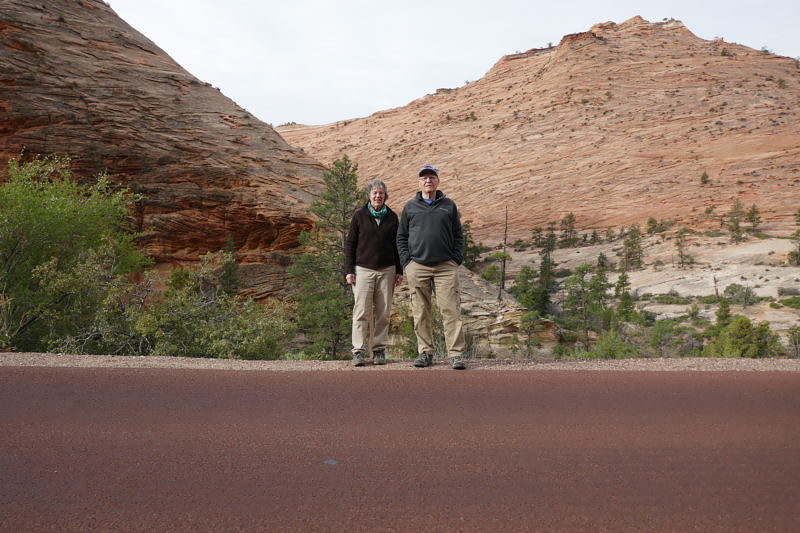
pixel 672 298
pixel 609 345
pixel 62 246
pixel 491 273
pixel 794 341
pixel 793 302
pixel 740 295
pixel 529 325
pixel 198 315
pixel 644 318
pixel 562 273
pixel 740 338
pixel 67 256
pixel 520 245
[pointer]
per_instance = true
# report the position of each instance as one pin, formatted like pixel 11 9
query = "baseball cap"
pixel 429 169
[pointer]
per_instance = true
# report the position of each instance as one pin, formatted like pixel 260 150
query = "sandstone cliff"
pixel 76 79
pixel 615 124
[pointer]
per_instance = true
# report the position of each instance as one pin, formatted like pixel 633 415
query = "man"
pixel 431 247
pixel 372 267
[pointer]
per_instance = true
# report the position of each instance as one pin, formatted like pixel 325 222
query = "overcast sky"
pixel 318 61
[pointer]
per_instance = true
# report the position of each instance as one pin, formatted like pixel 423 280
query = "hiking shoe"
pixel 379 357
pixel 459 364
pixel 358 359
pixel 424 359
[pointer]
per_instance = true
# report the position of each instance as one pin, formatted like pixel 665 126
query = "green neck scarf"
pixel 379 214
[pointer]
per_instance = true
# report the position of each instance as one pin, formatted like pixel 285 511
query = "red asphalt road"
pixel 158 450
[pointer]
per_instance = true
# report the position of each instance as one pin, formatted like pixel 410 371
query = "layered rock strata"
pixel 616 124
pixel 76 79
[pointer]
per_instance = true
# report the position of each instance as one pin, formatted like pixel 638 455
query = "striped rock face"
pixel 616 125
pixel 76 79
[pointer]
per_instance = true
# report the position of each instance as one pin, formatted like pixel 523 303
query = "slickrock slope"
pixel 615 124
pixel 76 79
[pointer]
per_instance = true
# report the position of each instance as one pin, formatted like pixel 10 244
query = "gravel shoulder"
pixel 648 365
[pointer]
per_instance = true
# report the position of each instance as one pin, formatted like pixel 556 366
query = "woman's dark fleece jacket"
pixel 371 245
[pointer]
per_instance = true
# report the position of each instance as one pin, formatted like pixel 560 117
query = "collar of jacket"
pixel 439 196
pixel 365 208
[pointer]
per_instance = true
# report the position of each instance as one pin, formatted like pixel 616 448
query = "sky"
pixel 317 61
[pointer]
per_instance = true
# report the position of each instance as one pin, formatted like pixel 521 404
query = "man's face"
pixel 428 183
pixel 377 197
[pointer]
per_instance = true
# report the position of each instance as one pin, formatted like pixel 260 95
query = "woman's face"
pixel 377 197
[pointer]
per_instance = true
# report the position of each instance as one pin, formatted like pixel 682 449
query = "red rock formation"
pixel 76 79
pixel 616 124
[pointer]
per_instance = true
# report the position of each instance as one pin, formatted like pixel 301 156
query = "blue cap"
pixel 429 169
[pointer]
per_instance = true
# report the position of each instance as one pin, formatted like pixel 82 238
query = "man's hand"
pixel 351 279
pixel 398 279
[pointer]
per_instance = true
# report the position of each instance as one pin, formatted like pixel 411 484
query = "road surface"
pixel 173 449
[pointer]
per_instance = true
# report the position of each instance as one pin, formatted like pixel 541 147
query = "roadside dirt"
pixel 648 365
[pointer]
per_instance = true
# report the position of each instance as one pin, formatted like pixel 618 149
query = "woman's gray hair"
pixel 377 183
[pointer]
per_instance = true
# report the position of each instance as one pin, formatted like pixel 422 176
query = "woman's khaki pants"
pixel 373 292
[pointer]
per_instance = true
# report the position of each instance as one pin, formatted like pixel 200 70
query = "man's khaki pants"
pixel 373 292
pixel 443 279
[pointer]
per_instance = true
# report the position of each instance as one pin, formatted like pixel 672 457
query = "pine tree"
pixel 340 198
pixel 324 300
pixel 585 301
pixel 603 262
pixel 503 259
pixel 632 255
pixel 569 236
pixel 794 255
pixel 723 312
pixel 546 283
pixel 740 338
pixel 622 291
pixel 733 221
pixel 526 288
pixel 576 303
pixel 680 244
pixel 550 239
pixel 472 250
pixel 537 237
pixel 753 217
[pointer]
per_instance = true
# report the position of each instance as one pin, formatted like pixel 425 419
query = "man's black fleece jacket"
pixel 430 234
pixel 371 245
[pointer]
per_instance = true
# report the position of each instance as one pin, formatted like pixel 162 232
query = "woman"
pixel 372 267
